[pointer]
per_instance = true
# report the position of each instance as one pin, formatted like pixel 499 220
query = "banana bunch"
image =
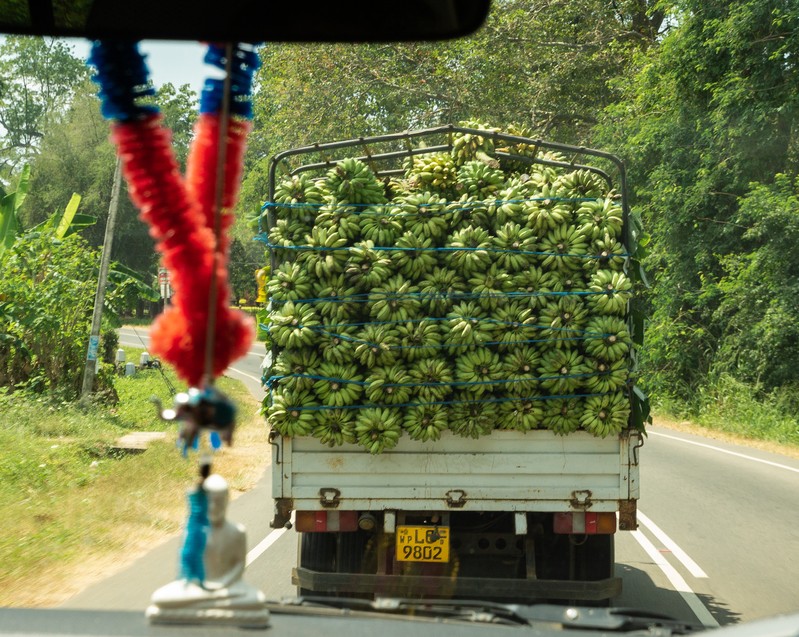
pixel 352 181
pixel 296 366
pixel 515 246
pixel 515 325
pixel 468 211
pixel 543 177
pixel 334 427
pixel 544 215
pixel 432 171
pixel 562 415
pixel 467 326
pixel 565 320
pixel 341 219
pixel 298 189
pixel 476 370
pixel 567 282
pixel 287 233
pixel 376 345
pixel 419 339
pixel 432 378
pixel 325 253
pixel 520 369
pixel 338 385
pixel 388 386
pixel 470 146
pixel 601 218
pixel 425 422
pixel 394 187
pixel 424 215
pixel 289 282
pixel 378 428
pixel 396 300
pixel 562 371
pixel 605 377
pixel 294 326
pixel 414 256
pixel 474 254
pixel 521 415
pixel 379 226
pixel 533 286
pixel 564 249
pixel 611 292
pixel 519 149
pixel 606 254
pixel 607 338
pixel 581 184
pixel 366 267
pixel 606 415
pixel 510 206
pixel 289 413
pixel 337 345
pixel 470 418
pixel 480 180
pixel 336 301
pixel 491 287
pixel 439 289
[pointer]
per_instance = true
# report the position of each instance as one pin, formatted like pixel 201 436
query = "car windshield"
pixel 508 318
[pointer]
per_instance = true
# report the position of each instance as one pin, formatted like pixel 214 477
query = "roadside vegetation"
pixel 75 507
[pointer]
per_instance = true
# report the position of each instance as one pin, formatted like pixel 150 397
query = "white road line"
pixel 671 545
pixel 233 369
pixel 264 544
pixel 677 581
pixel 732 453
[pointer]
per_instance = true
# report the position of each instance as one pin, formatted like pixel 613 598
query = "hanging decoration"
pixel 182 212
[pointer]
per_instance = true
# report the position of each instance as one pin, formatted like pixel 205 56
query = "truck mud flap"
pixel 483 588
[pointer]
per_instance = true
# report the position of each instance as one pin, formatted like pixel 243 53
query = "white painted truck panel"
pixel 505 471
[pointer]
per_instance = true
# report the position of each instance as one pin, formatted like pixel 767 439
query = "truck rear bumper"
pixel 461 587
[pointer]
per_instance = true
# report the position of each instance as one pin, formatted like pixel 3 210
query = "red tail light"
pixel 585 523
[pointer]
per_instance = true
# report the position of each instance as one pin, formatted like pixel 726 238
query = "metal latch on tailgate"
pixel 329 497
pixel 581 499
pixel 456 498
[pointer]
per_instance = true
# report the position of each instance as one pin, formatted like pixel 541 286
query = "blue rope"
pixel 490 250
pixel 367 208
pixel 448 402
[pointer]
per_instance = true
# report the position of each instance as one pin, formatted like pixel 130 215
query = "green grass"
pixel 736 408
pixel 69 499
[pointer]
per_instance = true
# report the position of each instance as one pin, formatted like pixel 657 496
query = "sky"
pixel 176 62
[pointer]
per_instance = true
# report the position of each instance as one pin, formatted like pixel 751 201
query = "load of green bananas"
pixel 478 291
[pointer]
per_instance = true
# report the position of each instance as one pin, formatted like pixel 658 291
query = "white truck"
pixel 511 516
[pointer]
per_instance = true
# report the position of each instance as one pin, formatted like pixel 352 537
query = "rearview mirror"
pixel 245 20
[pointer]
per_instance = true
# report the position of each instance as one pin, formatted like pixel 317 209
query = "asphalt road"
pixel 717 544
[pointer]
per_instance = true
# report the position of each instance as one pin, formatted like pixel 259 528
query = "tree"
pixel 709 111
pixel 38 77
pixel 544 64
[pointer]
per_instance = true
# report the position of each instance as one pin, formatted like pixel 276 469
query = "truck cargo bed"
pixel 506 471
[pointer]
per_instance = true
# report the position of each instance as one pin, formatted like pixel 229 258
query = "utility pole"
pixel 102 280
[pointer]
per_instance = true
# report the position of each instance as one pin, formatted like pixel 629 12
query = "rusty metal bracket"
pixel 329 498
pixel 456 498
pixel 628 515
pixel 637 446
pixel 273 436
pixel 581 499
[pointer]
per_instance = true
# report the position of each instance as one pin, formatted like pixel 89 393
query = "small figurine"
pixel 199 409
pixel 211 588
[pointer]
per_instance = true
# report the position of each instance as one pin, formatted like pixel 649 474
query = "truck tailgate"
pixel 506 471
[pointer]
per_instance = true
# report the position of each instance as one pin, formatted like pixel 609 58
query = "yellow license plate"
pixel 422 544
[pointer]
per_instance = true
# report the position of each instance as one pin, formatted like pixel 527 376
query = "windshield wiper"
pixel 608 620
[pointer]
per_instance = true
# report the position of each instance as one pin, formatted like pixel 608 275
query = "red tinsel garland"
pixel 181 219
